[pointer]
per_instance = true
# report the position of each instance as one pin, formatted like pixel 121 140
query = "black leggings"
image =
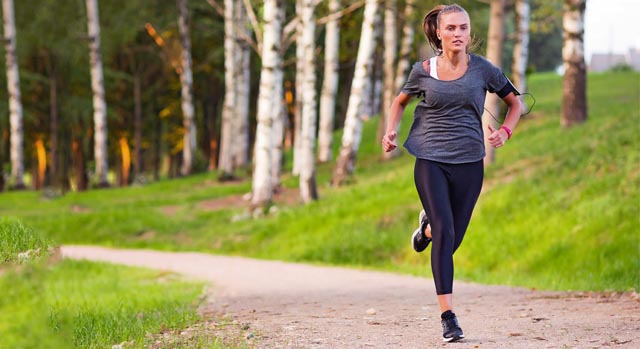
pixel 448 193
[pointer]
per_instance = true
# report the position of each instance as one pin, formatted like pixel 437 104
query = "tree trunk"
pixel 243 86
pixel 408 32
pixel 137 125
pixel 521 47
pixel 13 89
pixel 53 122
pixel 574 82
pixel 367 104
pixel 297 115
pixel 494 55
pixel 353 123
pixel 225 161
pixel 125 155
pixel 389 64
pixel 329 86
pixel 308 189
pixel 79 164
pixel 268 101
pixel 99 102
pixel 186 81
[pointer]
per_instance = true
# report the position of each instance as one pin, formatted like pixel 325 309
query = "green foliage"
pixel 92 305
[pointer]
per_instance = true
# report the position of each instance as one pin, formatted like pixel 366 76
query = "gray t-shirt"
pixel 447 122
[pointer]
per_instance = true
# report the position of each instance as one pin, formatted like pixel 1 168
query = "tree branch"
pixel 254 23
pixel 217 7
pixel 339 14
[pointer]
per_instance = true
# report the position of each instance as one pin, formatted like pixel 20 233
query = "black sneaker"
pixel 451 331
pixel 419 240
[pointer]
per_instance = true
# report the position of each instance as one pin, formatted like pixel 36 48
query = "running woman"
pixel 447 139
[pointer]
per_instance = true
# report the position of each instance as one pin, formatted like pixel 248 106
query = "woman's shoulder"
pixel 481 61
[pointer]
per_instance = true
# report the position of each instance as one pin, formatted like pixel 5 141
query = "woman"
pixel 447 140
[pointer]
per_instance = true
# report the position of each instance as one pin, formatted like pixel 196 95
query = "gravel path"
pixel 286 305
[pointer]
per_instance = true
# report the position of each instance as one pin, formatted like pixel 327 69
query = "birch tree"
pixel 494 55
pixel 225 161
pixel 297 114
pixel 408 33
pixel 521 47
pixel 329 85
pixel 99 102
pixel 574 82
pixel 13 89
pixel 389 64
pixel 353 123
pixel 308 190
pixel 243 78
pixel 270 77
pixel 186 82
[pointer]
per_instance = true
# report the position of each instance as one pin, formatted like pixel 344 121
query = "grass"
pixel 47 303
pixel 18 244
pixel 559 209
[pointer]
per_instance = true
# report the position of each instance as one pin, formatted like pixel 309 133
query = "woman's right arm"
pixel 395 114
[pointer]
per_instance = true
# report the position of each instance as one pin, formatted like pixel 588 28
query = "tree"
pixel 574 82
pixel 225 161
pixel 521 48
pixel 268 107
pixel 99 103
pixel 13 88
pixel 494 55
pixel 186 81
pixel 329 86
pixel 308 190
pixel 389 64
pixel 353 123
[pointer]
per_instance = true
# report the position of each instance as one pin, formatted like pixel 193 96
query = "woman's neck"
pixel 455 59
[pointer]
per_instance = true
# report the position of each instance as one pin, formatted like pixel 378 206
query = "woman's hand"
pixel 497 138
pixel 389 141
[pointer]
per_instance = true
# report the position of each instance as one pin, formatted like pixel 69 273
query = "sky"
pixel 611 26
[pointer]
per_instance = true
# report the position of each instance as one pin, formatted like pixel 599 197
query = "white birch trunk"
pixel 366 108
pixel 97 86
pixel 297 116
pixel 389 64
pixel 494 55
pixel 308 190
pixel 267 103
pixel 408 32
pixel 186 81
pixel 353 123
pixel 13 88
pixel 279 117
pixel 521 47
pixel 329 86
pixel 227 128
pixel 241 156
pixel 574 82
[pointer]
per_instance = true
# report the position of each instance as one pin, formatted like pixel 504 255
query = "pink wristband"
pixel 507 130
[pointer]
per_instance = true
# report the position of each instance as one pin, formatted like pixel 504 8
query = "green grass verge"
pixel 64 304
pixel 559 209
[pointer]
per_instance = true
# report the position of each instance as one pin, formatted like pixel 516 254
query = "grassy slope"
pixel 559 209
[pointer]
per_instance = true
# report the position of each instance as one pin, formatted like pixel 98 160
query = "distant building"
pixel 605 61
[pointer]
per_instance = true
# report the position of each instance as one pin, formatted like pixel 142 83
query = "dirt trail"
pixel 286 305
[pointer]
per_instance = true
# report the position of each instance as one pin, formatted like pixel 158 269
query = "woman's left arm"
pixel 500 136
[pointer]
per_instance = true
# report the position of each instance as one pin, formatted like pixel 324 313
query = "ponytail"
pixel 430 27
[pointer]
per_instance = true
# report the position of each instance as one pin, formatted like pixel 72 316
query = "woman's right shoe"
pixel 419 240
pixel 451 331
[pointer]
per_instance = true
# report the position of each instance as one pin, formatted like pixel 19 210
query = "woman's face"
pixel 455 31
